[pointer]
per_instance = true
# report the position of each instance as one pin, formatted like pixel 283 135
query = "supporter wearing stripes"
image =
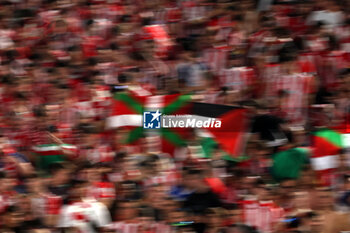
pixel 288 77
pixel 238 77
pixel 83 214
pixel 99 187
pixel 59 61
pixel 45 204
pixel 260 211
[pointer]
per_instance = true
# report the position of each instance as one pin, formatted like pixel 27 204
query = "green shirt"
pixel 289 163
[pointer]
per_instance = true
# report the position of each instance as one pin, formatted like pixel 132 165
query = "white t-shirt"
pixel 332 19
pixel 84 214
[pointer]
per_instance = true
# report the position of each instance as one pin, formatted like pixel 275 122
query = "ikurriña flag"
pixel 223 124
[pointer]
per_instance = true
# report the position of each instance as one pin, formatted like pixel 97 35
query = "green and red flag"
pixel 128 111
pixel 230 136
pixel 327 144
pixel 48 154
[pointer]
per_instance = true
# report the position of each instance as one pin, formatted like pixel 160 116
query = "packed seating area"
pixel 78 77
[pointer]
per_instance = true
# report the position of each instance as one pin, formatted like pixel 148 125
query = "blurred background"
pixel 77 75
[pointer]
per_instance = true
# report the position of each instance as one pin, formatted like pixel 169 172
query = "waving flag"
pixel 138 112
pixel 128 110
pixel 327 144
pixel 230 136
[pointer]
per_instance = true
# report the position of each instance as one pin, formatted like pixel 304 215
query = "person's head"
pixel 324 199
pixel 343 161
pixel 156 193
pixel 258 150
pixel 127 210
pixel 214 217
pixel 317 223
pixel 261 190
pixel 240 228
pixel 34 184
pixel 60 174
pixel 12 217
pixel 235 60
pixel 78 189
pixel 7 183
pixel 208 80
pixel 282 96
pixel 88 172
pixel 169 205
pixel 287 187
pixel 75 53
pixel 346 182
pixel 193 178
pixel 60 26
pixel 147 46
pixel 177 215
pixel 24 203
pixel 246 182
pixel 233 213
pixel 146 216
pixel 301 200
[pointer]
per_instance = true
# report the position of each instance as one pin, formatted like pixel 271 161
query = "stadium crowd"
pixel 63 170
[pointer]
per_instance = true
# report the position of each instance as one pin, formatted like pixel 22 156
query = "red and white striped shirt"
pixel 123 227
pixel 101 153
pixel 168 178
pixel 332 63
pixel 270 74
pixel 102 190
pixel 216 57
pixel 46 204
pixel 238 78
pixel 156 227
pixel 261 214
pixel 192 10
pixel 298 86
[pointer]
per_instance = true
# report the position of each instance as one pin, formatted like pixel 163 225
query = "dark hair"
pixel 145 211
pixel 2 175
pixel 89 22
pixel 11 54
pixel 123 78
pixel 73 48
pixel 244 228
pixel 289 136
pixel 7 79
pixel 332 42
pixel 86 128
pixel 60 22
pixel 283 93
pixel 114 46
pixel 74 183
pixel 52 129
pixel 194 171
pixel 39 111
pixel 20 96
pixel 231 206
pixel 115 30
pixel 55 167
pixel 260 182
pixel 125 18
